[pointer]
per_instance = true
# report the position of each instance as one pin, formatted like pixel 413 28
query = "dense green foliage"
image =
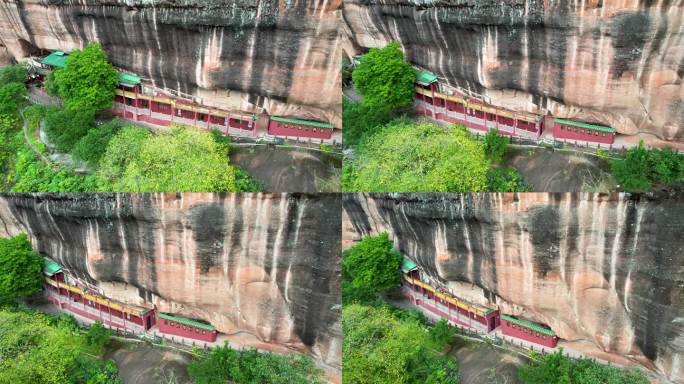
pixel 10 141
pixel 359 119
pixel 11 95
pixel 33 175
pixel 641 168
pixel 506 180
pixel 384 78
pixel 558 369
pixel 226 365
pixel 97 337
pixel 417 157
pixel 182 160
pixel 495 145
pixel 66 127
pixel 379 347
pixel 36 348
pixel 12 74
pixel 20 268
pixel 370 266
pixel 88 81
pixel 92 146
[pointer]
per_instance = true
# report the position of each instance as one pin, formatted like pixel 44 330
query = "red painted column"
pixel 195 123
pixel 434 105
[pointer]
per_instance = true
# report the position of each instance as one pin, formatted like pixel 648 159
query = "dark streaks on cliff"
pixel 208 229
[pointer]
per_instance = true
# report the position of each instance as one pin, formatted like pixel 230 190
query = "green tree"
pixel 373 264
pixel 10 96
pixel 35 348
pixel 33 175
pixel 632 172
pixel 359 120
pixel 379 348
pixel 417 157
pixel 97 337
pixel 184 160
pixel 384 78
pixel 20 268
pixel 93 145
pixel 88 80
pixel 495 145
pixel 13 74
pixel 65 128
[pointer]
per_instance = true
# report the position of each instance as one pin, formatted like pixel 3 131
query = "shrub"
pixel 97 337
pixel 642 167
pixel 65 128
pixel 359 120
pixel 93 145
pixel 13 74
pixel 495 145
pixel 11 95
pixel 558 369
pixel 226 365
pixel 506 180
pixel 33 175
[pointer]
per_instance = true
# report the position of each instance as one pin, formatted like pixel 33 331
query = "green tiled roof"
pixel 50 267
pixel 317 124
pixel 529 325
pixel 425 77
pixel 55 59
pixel 186 321
pixel 407 265
pixel 129 80
pixel 600 128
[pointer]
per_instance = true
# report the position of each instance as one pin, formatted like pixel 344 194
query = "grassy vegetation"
pixel 557 369
pixel 226 365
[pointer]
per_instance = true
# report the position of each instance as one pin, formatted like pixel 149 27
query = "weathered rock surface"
pixel 264 264
pixel 279 56
pixel 606 272
pixel 619 63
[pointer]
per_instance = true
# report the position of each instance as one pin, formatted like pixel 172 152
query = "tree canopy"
pixel 384 78
pixel 373 264
pixel 37 348
pixel 65 127
pixel 418 157
pixel 88 80
pixel 182 160
pixel 381 348
pixel 13 74
pixel 20 268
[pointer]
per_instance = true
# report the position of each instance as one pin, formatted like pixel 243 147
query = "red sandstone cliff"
pixel 279 56
pixel 604 271
pixel 619 63
pixel 266 265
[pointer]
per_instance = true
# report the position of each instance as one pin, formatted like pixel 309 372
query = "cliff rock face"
pixel 620 63
pixel 606 272
pixel 282 56
pixel 262 264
